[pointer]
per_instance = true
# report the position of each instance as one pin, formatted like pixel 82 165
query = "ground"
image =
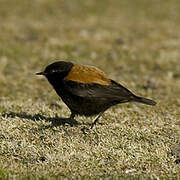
pixel 136 43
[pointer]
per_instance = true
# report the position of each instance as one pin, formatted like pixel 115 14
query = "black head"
pixel 57 69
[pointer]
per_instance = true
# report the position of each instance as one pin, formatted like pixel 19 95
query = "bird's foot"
pixel 96 119
pixel 73 122
pixel 92 125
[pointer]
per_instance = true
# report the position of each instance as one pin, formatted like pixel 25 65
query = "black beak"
pixel 41 73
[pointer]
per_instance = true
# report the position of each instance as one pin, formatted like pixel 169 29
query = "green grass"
pixel 136 43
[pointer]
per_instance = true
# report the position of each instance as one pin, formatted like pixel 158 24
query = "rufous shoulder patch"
pixel 87 74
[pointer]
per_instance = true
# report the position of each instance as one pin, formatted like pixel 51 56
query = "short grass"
pixel 136 43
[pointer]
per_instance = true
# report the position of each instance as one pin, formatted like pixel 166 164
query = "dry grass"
pixel 136 43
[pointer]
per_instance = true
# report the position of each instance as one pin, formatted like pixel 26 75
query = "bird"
pixel 87 90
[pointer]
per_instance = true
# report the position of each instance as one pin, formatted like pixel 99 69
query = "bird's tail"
pixel 144 100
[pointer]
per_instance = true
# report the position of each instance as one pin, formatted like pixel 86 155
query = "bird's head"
pixel 57 69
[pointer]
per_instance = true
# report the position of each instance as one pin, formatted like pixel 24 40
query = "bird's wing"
pixel 113 91
pixel 87 74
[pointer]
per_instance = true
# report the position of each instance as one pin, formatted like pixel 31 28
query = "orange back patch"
pixel 87 74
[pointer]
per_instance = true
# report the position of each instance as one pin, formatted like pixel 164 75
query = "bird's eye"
pixel 53 71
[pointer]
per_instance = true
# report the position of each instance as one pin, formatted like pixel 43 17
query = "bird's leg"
pixel 96 119
pixel 72 115
pixel 72 120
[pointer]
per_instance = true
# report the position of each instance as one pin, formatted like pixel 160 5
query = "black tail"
pixel 144 100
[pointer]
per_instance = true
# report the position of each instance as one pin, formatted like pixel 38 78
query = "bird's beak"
pixel 41 73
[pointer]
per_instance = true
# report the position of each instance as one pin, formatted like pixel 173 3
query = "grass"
pixel 136 43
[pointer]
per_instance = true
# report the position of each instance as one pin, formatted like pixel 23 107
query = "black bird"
pixel 86 90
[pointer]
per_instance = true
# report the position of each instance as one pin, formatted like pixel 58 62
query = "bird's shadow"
pixel 55 121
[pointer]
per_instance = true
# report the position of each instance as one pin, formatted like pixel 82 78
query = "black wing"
pixel 113 91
